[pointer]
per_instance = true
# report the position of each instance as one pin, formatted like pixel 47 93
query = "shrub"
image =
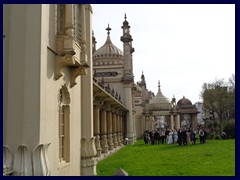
pixel 229 128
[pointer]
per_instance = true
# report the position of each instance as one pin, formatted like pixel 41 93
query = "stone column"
pixel 97 129
pixel 194 121
pixel 104 145
pixel 121 128
pixel 178 121
pixel 118 130
pixel 88 149
pixel 172 123
pixel 130 120
pixel 109 130
pixel 134 126
pixel 114 130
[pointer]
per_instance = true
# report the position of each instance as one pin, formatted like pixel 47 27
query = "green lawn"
pixel 215 158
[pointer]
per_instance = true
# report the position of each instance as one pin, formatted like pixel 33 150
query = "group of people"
pixel 181 136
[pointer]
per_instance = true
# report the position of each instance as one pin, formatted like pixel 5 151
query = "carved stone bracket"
pixel 75 72
pixel 63 61
pixel 76 69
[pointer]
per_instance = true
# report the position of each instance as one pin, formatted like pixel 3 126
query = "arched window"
pixel 64 125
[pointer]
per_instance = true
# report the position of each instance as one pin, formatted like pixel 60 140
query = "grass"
pixel 215 158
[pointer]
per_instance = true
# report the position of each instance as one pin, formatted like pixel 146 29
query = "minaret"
pixel 143 82
pixel 128 81
pixel 126 38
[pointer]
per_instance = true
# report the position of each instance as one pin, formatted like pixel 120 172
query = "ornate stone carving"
pixel 22 165
pixel 110 142
pixel 25 164
pixel 61 62
pixel 98 146
pixel 88 162
pixel 7 161
pixel 119 139
pixel 84 56
pixel 41 165
pixel 115 143
pixel 104 144
pixel 88 148
pixel 75 72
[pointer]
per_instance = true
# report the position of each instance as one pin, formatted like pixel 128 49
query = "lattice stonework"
pixel 106 74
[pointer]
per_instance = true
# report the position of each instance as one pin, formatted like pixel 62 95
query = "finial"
pixel 142 72
pixel 108 29
pixel 125 16
pixel 92 33
pixel 158 84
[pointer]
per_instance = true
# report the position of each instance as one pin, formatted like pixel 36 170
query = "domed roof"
pixel 108 50
pixel 159 102
pixel 108 53
pixel 184 102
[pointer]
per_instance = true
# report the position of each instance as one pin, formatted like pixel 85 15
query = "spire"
pixel 143 82
pixel 142 77
pixel 108 30
pixel 159 90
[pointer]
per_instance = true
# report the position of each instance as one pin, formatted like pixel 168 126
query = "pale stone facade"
pixel 59 119
pixel 48 90
pixel 142 99
pixel 67 104
pixel 113 70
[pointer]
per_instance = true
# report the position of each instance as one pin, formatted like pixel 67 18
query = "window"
pixel 61 18
pixel 77 24
pixel 64 124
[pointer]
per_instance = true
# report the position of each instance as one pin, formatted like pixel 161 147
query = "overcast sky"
pixel 181 45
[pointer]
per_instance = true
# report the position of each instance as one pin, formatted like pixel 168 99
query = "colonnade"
pixel 109 127
pixel 174 123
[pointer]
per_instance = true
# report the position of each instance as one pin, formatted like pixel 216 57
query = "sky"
pixel 181 45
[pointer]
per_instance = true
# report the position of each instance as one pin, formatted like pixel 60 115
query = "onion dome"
pixel 184 103
pixel 108 54
pixel 159 102
pixel 125 22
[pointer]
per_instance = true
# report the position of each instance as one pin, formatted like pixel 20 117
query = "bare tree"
pixel 217 99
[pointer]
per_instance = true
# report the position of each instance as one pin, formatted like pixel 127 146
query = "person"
pixel 223 135
pixel 166 135
pixel 201 136
pixel 192 137
pixel 156 137
pixel 163 135
pixel 205 136
pixel 184 137
pixel 179 136
pixel 152 137
pixel 146 137
pixel 188 132
pixel 170 137
pixel 175 136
